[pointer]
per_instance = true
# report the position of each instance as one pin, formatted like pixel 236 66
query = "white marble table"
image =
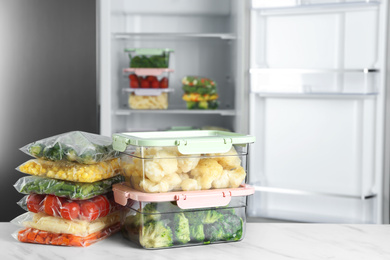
pixel 263 241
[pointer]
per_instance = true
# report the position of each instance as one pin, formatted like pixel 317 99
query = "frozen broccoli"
pixel 156 235
pixel 36 150
pixel 71 154
pixel 214 232
pixel 181 228
pixel 232 225
pixel 212 216
pixel 150 213
pixel 53 153
pixel 195 217
pixel 197 233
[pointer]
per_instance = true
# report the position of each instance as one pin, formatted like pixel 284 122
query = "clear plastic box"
pixel 183 160
pixel 149 58
pixel 178 219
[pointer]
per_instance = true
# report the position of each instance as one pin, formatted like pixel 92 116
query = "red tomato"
pixel 53 205
pixel 164 83
pixel 34 202
pixel 103 205
pixel 155 84
pixel 134 84
pixel 133 77
pixel 70 210
pixel 145 83
pixel 89 210
pixel 151 78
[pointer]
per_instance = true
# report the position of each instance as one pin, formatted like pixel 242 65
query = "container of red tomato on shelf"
pixel 148 88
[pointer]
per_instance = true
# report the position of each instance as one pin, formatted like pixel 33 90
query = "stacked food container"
pixel 69 198
pixel 200 93
pixel 148 78
pixel 183 187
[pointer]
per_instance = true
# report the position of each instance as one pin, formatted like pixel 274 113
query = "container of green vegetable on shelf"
pixel 149 58
pixel 177 219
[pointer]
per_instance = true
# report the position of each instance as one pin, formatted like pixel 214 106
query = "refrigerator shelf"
pixel 222 112
pixel 311 193
pixel 344 82
pixel 160 35
pixel 310 6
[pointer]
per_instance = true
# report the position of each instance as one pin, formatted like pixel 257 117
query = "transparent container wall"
pixel 284 81
pixel 311 208
pixel 152 229
pixel 144 101
pixel 160 81
pixel 157 61
pixel 164 169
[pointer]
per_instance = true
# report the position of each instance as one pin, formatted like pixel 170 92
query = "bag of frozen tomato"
pixel 36 236
pixel 45 222
pixel 66 189
pixel 75 146
pixel 90 210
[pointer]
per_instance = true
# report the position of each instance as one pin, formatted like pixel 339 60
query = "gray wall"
pixel 47 80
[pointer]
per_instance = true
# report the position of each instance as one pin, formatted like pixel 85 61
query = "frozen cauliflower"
pixel 206 172
pixel 230 160
pixel 153 187
pixel 236 177
pixel 190 184
pixel 223 181
pixel 168 161
pixel 173 181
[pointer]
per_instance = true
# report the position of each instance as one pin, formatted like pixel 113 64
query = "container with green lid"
pixel 149 58
pixel 183 160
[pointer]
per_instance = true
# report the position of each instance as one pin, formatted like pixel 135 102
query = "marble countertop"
pixel 263 241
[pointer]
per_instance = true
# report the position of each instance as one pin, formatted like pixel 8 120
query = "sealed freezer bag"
pixel 90 210
pixel 67 189
pixel 161 225
pixel 76 146
pixel 45 222
pixel 164 169
pixel 36 236
pixel 71 171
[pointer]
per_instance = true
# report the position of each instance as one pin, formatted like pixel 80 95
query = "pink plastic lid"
pixel 184 199
pixel 147 71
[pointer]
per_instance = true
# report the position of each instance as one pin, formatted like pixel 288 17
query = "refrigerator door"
pixel 316 108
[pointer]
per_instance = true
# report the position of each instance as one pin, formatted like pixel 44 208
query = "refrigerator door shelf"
pixel 147 71
pixel 316 81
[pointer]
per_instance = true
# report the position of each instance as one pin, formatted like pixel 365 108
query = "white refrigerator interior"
pixel 317 110
pixel 207 38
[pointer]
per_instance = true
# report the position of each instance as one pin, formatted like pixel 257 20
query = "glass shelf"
pixel 160 35
pixel 222 112
pixel 267 7
pixel 315 82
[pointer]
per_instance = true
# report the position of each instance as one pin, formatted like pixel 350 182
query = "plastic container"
pixel 148 98
pixel 149 58
pixel 178 219
pixel 183 160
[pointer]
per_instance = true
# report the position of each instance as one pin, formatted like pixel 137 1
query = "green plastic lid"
pixel 144 51
pixel 188 142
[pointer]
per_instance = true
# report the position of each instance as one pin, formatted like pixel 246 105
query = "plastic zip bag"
pixel 52 224
pixel 76 146
pixel 36 236
pixel 71 171
pixel 91 209
pixel 67 189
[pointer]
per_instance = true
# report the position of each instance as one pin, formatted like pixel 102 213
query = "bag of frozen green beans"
pixel 67 189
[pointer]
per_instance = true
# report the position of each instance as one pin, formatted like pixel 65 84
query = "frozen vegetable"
pixel 147 82
pixel 200 93
pixel 45 222
pixel 166 169
pixel 75 146
pixel 175 226
pixel 152 61
pixel 213 104
pixel 36 236
pixel 148 102
pixel 71 171
pixel 91 209
pixel 71 190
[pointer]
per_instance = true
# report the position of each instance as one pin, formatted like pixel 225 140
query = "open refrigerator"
pixel 307 78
